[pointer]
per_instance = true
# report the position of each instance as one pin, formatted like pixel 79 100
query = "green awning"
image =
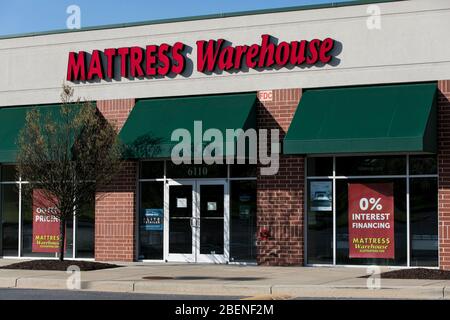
pixel 148 130
pixel 385 118
pixel 12 120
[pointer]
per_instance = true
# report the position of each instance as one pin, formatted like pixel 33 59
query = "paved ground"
pixel 37 294
pixel 230 280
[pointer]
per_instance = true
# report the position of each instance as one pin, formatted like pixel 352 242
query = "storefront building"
pixel 359 93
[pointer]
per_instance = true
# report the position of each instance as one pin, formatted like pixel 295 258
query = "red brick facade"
pixel 444 173
pixel 115 208
pixel 280 197
pixel 116 111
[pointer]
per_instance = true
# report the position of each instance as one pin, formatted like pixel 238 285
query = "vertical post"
pixel 334 211
pixel 19 253
pixel 408 229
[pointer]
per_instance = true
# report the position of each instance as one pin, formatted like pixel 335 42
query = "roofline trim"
pixel 201 17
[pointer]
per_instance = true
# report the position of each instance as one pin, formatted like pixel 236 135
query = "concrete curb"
pixel 8 282
pixel 200 289
pixel 190 288
pixel 405 292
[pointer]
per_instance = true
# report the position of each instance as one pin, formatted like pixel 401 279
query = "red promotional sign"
pixel 45 226
pixel 371 220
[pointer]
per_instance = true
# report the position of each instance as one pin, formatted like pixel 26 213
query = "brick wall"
pixel 116 111
pixel 115 206
pixel 444 172
pixel 280 197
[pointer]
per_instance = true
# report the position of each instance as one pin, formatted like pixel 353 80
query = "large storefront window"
pixel 85 232
pixel 10 219
pixel 197 213
pixel 151 231
pixel 243 220
pixel 359 210
pixel 17 222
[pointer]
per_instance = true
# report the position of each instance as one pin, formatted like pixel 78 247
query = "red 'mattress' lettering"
pixel 110 54
pixel 150 67
pixel 212 56
pixel 95 66
pixel 165 64
pixel 136 57
pixel 178 59
pixel 123 53
pixel 76 68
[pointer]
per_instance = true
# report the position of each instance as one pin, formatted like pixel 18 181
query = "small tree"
pixel 67 155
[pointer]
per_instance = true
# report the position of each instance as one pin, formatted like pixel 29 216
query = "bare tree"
pixel 67 155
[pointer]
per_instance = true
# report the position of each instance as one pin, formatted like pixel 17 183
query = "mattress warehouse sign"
pixel 213 56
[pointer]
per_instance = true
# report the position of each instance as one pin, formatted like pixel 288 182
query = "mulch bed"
pixel 56 265
pixel 416 273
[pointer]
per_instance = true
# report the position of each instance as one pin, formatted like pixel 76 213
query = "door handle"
pixel 194 222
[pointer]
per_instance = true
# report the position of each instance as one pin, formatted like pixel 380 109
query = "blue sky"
pixel 23 16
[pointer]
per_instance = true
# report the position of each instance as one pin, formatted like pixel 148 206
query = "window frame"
pixel 166 181
pixel 20 255
pixel 407 176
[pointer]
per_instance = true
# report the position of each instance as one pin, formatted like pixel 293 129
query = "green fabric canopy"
pixel 12 120
pixel 147 132
pixel 384 118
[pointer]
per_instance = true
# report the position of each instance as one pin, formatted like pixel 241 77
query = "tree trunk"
pixel 62 238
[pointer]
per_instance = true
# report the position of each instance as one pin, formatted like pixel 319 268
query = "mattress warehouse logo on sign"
pixel 213 56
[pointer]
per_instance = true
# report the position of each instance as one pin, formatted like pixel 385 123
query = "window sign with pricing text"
pixel 46 225
pixel 371 220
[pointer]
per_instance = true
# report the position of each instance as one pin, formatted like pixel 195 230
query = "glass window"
pixel 243 170
pixel 320 222
pixel 423 164
pixel 69 239
pixel 320 167
pixel 371 166
pixel 243 220
pixel 10 219
pixel 185 171
pixel 8 173
pixel 85 233
pixel 424 222
pixel 342 227
pixel 151 219
pixel 27 227
pixel 152 169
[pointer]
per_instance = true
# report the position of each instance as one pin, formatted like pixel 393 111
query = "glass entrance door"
pixel 212 217
pixel 197 215
pixel 181 222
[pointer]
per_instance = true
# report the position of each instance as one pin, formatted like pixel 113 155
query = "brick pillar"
pixel 115 206
pixel 280 197
pixel 116 111
pixel 444 173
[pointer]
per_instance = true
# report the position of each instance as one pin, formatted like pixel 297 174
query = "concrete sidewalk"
pixel 303 282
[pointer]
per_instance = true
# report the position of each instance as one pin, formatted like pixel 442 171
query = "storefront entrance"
pixel 197 213
pixel 197 216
